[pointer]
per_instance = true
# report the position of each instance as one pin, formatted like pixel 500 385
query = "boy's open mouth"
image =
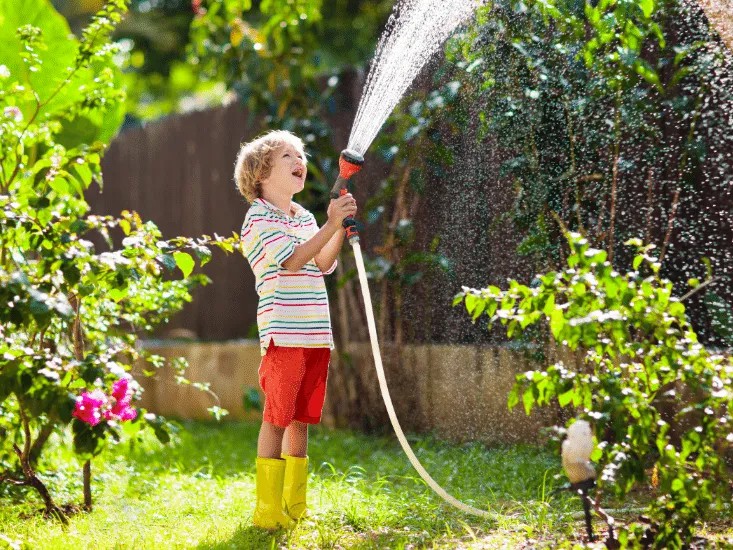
pixel 298 173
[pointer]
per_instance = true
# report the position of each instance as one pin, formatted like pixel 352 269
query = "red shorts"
pixel 294 382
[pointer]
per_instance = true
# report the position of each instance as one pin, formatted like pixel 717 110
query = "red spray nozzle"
pixel 350 162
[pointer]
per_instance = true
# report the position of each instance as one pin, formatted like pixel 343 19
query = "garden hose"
pixel 350 162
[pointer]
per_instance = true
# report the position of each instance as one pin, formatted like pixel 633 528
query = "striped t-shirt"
pixel 293 306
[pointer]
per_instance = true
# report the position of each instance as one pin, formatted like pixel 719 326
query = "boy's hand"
pixel 341 208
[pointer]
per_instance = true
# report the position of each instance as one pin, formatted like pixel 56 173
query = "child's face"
pixel 288 170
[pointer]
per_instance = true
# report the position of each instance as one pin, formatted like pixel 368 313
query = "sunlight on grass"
pixel 199 493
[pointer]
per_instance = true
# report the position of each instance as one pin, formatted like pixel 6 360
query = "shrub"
pixel 659 401
pixel 71 310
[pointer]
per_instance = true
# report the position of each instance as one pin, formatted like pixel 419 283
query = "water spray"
pixel 415 31
pixel 351 162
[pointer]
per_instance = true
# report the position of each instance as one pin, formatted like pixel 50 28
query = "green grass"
pixel 199 493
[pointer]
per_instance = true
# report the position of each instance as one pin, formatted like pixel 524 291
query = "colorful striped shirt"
pixel 293 306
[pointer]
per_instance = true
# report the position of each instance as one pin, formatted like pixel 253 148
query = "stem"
pixel 682 167
pixel 398 322
pixel 43 435
pixel 31 478
pixel 77 332
pixel 383 307
pixel 697 289
pixel 614 183
pixel 20 140
pixel 571 138
pixel 670 222
pixel 88 485
pixel 649 204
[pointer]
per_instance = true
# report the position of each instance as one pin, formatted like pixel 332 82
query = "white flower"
pixel 4 71
pixel 14 113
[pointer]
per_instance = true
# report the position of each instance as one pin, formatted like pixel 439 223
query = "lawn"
pixel 198 492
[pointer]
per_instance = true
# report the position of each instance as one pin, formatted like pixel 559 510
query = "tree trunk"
pixel 88 485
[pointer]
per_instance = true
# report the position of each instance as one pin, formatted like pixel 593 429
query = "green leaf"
pixel 647 7
pixel 59 53
pixel 557 323
pixel 203 254
pixel 117 294
pixel 168 261
pixel 549 305
pixel 513 399
pixel 471 302
pixel 217 412
pixel 528 400
pixel 564 398
pixel 252 400
pixel 185 262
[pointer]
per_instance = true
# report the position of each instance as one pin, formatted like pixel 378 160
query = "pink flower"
pixel 92 407
pixel 120 389
pixel 121 409
pixel 88 406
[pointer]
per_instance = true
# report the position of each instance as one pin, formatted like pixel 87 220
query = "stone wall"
pixel 457 392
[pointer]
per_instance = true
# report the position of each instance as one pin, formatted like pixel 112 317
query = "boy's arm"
pixel 305 252
pixel 328 254
pixel 338 209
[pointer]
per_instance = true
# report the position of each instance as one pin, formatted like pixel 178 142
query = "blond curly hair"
pixel 254 161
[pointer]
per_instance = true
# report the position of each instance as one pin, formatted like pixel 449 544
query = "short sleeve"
pixel 265 239
pixel 331 269
pixel 277 244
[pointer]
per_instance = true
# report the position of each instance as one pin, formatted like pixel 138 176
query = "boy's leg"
pixel 308 407
pixel 280 375
pixel 269 443
pixel 297 440
pixel 286 441
pixel 296 471
pixel 269 512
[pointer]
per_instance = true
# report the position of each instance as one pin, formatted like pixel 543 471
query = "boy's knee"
pixel 273 427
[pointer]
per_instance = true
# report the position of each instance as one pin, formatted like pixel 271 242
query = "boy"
pixel 289 256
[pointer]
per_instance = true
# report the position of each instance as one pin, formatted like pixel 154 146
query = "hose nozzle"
pixel 350 162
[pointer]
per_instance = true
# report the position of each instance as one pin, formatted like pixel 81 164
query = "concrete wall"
pixel 458 392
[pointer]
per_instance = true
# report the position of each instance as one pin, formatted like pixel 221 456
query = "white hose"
pixel 388 401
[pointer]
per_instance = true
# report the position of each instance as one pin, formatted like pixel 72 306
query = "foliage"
pixel 72 302
pixel 660 401
pixel 311 38
pixel 609 115
pixel 270 69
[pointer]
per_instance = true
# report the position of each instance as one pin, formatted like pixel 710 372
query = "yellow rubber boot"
pixel 269 510
pixel 295 485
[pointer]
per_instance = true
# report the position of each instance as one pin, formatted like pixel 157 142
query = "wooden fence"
pixel 178 173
